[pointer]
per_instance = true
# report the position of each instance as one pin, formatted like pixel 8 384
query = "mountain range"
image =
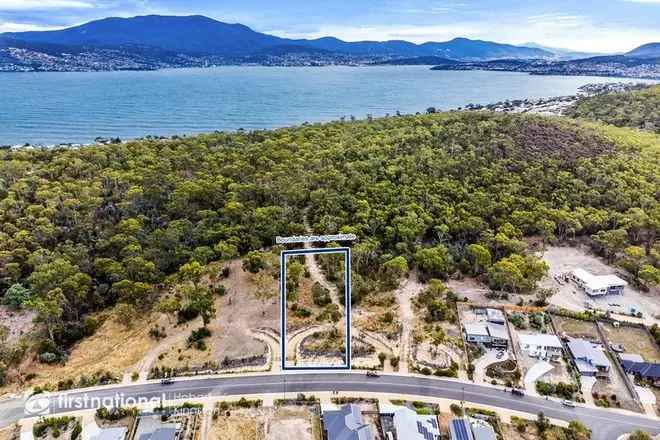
pixel 154 41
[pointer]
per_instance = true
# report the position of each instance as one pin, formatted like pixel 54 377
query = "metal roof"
pixel 540 340
pixel 346 424
pixel 498 331
pixel 476 329
pixel 597 282
pixel 460 429
pixel 644 369
pixel 592 354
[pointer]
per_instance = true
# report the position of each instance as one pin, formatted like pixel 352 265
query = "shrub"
pixel 320 295
pixel 196 338
pixel 456 409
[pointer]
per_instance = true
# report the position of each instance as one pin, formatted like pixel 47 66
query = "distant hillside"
pixel 204 41
pixel 193 34
pixel 635 108
pixel 560 52
pixel 419 61
pixel 651 50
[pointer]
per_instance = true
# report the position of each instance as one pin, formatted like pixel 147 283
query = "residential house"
pixel 649 371
pixel 346 423
pixel 467 428
pixel 598 285
pixel 589 358
pixel 406 424
pixel 117 433
pixel 543 346
pixel 494 335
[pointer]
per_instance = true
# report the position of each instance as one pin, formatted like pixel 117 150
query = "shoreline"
pixel 551 106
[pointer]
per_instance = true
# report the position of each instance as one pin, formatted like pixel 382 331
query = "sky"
pixel 604 26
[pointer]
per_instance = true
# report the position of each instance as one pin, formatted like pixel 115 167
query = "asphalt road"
pixel 605 424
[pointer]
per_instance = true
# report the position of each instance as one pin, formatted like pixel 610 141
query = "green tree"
pixel 435 262
pixel 480 258
pixel 16 296
pixel 253 262
pixel 394 269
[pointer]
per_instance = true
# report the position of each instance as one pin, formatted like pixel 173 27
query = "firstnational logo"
pixel 37 405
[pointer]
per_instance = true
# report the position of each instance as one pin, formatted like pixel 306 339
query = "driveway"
pixel 490 357
pixel 535 373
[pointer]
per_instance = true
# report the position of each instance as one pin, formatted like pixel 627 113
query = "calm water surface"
pixel 49 108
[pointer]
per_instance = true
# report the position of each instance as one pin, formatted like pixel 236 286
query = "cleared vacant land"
pixel 576 328
pixel 633 340
pixel 284 423
pixel 244 307
pixel 562 260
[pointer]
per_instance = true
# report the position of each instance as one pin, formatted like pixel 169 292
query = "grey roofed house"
pixel 117 433
pixel 589 358
pixel 482 430
pixel 160 434
pixel 346 423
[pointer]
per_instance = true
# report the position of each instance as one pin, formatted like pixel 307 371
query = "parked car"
pixel 517 392
pixel 167 381
pixel 568 403
pixel 372 374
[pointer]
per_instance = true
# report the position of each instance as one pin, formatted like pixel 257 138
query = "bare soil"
pixel 563 259
pixel 243 308
pixel 14 324
pixel 633 340
pixel 283 423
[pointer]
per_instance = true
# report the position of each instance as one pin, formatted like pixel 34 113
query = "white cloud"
pixel 34 5
pixel 23 27
pixel 557 30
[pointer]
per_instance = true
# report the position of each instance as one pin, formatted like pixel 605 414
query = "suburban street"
pixel 605 424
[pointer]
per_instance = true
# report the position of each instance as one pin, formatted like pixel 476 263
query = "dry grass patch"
pixel 12 432
pixel 576 328
pixel 113 348
pixel 634 340
pixel 237 426
pixel 284 423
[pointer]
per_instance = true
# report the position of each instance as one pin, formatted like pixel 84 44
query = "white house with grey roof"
pixel 541 345
pixel 486 333
pixel 598 285
pixel 590 359
pixel 346 423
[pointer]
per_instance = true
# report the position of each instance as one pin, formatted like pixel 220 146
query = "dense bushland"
pixel 85 229
pixel 635 108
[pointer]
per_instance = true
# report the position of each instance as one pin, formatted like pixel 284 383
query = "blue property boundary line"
pixel 346 251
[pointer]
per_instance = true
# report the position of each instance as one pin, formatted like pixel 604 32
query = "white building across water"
pixel 598 285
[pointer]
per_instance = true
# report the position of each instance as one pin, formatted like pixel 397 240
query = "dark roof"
pixel 460 429
pixel 644 369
